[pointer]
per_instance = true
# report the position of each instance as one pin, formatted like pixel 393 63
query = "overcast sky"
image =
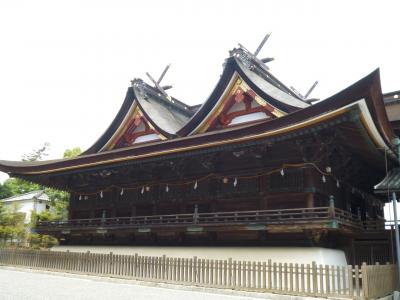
pixel 65 66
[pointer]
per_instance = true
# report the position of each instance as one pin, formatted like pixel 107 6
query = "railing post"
pixel 196 214
pixel 332 207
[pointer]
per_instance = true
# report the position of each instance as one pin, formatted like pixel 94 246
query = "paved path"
pixel 21 284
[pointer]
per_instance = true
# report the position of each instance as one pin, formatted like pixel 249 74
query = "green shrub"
pixel 39 241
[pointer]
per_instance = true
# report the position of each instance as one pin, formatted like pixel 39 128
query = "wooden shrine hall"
pixel 256 163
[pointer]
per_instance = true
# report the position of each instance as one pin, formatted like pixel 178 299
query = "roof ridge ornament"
pixel 265 39
pixel 247 56
pixel 136 82
pixel 139 84
pixel 305 98
pixel 258 66
pixel 157 85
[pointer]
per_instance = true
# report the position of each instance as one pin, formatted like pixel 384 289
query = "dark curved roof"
pixel 172 118
pixel 389 184
pixel 167 116
pixel 258 79
pixel 364 98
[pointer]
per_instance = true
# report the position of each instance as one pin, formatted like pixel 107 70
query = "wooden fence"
pixel 284 278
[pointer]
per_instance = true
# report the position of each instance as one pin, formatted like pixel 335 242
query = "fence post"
pixel 364 280
pixel 195 273
pixel 327 280
pixel 36 258
pixel 269 274
pixel 314 278
pixel 357 279
pixel 230 272
pixel 239 273
pixel 264 276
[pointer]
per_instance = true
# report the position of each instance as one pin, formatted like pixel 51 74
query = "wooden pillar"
pixel 113 212
pixel 309 185
pixel 133 211
pixel 310 200
pixel 154 208
pixel 214 206
pixel 264 203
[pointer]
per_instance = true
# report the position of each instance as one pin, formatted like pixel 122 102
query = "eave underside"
pixel 345 131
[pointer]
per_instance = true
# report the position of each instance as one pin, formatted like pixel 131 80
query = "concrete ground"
pixel 17 283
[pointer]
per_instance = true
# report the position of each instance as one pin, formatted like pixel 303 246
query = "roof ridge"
pixel 256 65
pixel 42 191
pixel 180 105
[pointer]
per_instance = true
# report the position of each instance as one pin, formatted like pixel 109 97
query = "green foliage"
pixel 38 241
pixel 59 201
pixel 5 191
pixel 17 186
pixel 72 152
pixel 13 229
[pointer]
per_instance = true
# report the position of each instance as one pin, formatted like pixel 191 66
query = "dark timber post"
pixel 332 206
pixel 396 228
pixel 396 142
pixel 196 214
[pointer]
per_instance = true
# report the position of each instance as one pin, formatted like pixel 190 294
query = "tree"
pixel 17 186
pixel 12 225
pixel 5 191
pixel 72 152
pixel 37 154
pixel 59 200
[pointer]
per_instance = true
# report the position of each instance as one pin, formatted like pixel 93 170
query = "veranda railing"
pixel 267 276
pixel 281 216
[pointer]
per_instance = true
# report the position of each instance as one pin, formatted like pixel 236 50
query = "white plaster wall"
pixel 27 206
pixel 300 255
pixel 40 206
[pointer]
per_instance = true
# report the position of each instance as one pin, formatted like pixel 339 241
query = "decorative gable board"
pixel 239 104
pixel 135 128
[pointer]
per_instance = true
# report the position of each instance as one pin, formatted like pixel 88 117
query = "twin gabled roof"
pixel 248 105
pixel 246 92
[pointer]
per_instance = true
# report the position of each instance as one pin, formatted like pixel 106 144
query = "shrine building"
pixel 255 164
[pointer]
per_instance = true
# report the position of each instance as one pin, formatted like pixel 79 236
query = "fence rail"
pixel 267 276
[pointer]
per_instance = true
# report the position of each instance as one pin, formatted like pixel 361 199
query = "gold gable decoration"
pixel 238 92
pixel 135 125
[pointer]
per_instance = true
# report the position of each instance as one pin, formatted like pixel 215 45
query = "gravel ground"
pixel 21 284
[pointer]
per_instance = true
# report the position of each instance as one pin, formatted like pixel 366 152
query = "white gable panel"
pixel 146 138
pixel 248 118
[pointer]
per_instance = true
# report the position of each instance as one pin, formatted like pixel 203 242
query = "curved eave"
pixel 198 142
pixel 368 88
pixel 230 69
pixel 119 121
pixel 115 124
pixel 363 97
